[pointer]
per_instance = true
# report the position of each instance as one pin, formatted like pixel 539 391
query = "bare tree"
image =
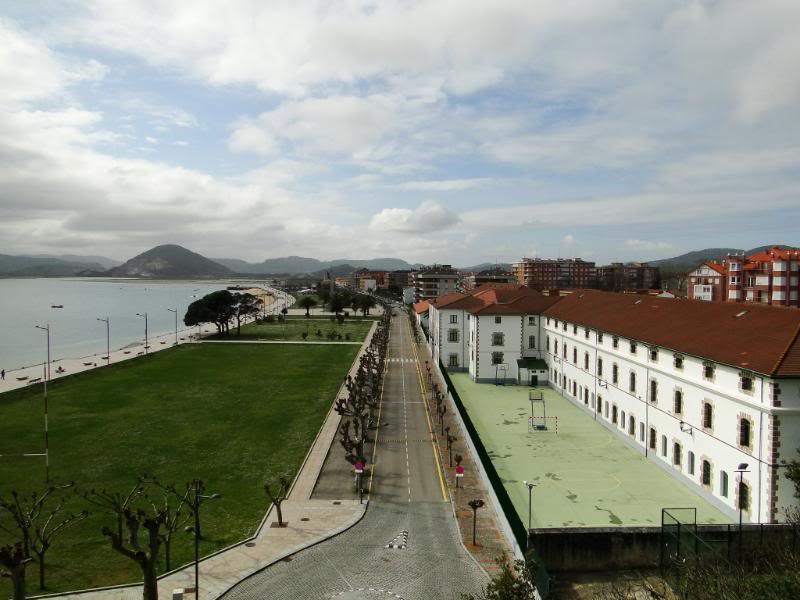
pixel 115 503
pixel 277 493
pixel 144 554
pixel 46 532
pixel 176 507
pixel 14 561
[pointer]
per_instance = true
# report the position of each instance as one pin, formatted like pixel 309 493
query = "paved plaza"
pixel 585 475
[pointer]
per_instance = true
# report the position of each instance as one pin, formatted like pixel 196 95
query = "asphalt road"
pixel 408 545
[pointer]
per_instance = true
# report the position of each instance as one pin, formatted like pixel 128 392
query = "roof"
pixel 422 307
pixel 525 305
pixel 760 338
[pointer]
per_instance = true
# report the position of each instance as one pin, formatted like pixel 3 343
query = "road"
pixel 408 544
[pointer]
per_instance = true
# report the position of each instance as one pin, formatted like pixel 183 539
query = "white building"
pixel 698 387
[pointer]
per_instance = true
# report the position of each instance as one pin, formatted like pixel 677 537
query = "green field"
pixel 292 329
pixel 230 415
pixel 585 475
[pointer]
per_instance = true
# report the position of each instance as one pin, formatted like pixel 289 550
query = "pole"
pixel 176 323
pixel 146 344
pixel 197 538
pixel 741 473
pixel 46 329
pixel 108 340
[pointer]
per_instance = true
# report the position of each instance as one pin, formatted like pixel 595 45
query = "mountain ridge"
pixel 170 261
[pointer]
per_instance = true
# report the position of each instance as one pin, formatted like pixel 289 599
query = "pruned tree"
pixel 277 492
pixel 176 507
pixel 115 503
pixel 145 553
pixel 46 532
pixel 14 561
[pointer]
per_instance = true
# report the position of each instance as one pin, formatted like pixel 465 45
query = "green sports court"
pixel 585 476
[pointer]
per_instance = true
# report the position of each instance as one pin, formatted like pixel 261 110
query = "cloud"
pixel 647 245
pixel 444 185
pixel 426 218
pixel 568 240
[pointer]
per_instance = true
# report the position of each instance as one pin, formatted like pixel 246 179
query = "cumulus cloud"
pixel 426 218
pixel 647 245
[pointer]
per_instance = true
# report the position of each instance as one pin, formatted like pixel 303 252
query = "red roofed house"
pixel 707 282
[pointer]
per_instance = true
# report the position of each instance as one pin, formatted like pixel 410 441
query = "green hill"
pixel 170 262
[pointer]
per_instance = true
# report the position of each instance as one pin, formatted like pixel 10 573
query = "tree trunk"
pixel 18 581
pixel 150 580
pixel 280 514
pixel 238 326
pixel 167 544
pixel 40 556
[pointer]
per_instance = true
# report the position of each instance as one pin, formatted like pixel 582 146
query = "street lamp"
pixel 175 311
pixel 146 344
pixel 743 468
pixel 108 339
pixel 530 486
pixel 199 487
pixel 46 329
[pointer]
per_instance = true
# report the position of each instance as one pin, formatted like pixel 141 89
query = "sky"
pixel 439 131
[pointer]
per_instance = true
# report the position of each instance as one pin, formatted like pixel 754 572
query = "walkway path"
pixel 408 545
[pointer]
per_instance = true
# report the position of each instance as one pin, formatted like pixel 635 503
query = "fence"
pixel 518 530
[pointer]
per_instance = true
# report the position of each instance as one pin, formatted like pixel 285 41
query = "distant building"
pixel 618 277
pixel 771 276
pixel 400 279
pixel 540 273
pixel 434 281
pixel 707 282
pixel 474 280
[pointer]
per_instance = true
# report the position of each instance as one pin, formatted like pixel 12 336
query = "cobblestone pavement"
pixel 409 511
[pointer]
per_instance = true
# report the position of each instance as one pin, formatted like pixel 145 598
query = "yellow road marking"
pixel 428 418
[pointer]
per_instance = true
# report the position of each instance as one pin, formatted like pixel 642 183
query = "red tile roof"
pixel 422 307
pixel 759 338
pixel 718 267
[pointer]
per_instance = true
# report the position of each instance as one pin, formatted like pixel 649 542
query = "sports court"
pixel 584 475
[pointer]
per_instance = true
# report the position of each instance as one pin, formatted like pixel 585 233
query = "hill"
pixel 37 266
pixel 485 266
pixel 686 262
pixel 303 265
pixel 103 261
pixel 170 262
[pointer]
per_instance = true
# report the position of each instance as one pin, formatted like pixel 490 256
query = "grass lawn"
pixel 293 329
pixel 585 475
pixel 230 415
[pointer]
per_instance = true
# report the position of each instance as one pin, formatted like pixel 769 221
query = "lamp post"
pixel 530 486
pixel 743 468
pixel 146 344
pixel 475 505
pixel 175 311
pixel 108 339
pixel 46 329
pixel 199 487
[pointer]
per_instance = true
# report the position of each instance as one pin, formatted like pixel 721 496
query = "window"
pixel 586 361
pixel 677 403
pixel 615 373
pixel 599 337
pixel 574 389
pixel 548 321
pixel 632 385
pixel 652 440
pixel 497 358
pixel 708 415
pixel 564 326
pixel 498 339
pixel 586 333
pixel 454 318
pixel 744 496
pixel 574 330
pixel 599 367
pixel 498 319
pixel 690 462
pixel 531 341
pixel 633 347
pixel 564 351
pixel 705 473
pixel 606 408
pixel 723 484
pixel 641 432
pixel 677 454
pixel 622 420
pixel 574 356
pixel 744 432
pixel 599 404
pixel 615 342
pixel 586 396
pixel 631 425
pixel 663 445
pixel 653 354
pixel 677 361
pixel 708 371
pixel 653 390
pixel 547 341
pixel 452 335
pixel 614 414
pixel 555 347
pixel 746 383
pixel 452 360
pixel 531 320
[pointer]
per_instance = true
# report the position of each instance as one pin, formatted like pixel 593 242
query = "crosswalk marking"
pixel 402 360
pixel 399 542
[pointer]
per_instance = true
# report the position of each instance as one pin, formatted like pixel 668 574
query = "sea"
pixel 72 308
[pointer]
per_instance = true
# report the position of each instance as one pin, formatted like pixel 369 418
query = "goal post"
pixel 539 423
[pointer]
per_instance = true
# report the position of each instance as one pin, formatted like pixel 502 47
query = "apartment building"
pixel 434 281
pixel 771 276
pixel 618 277
pixel 559 273
pixel 707 282
pixel 475 280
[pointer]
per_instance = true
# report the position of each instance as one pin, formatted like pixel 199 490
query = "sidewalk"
pixel 310 521
pixel 491 543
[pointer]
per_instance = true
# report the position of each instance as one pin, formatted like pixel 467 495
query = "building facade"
pixel 618 277
pixel 475 280
pixel 559 273
pixel 435 281
pixel 707 282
